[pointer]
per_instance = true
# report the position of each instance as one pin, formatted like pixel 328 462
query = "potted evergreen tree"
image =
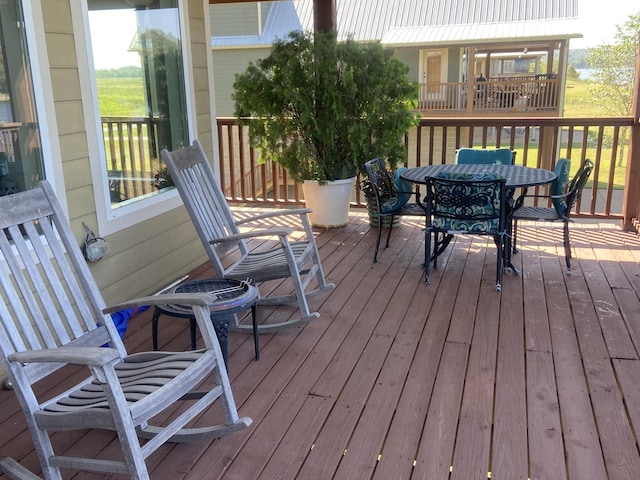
pixel 321 108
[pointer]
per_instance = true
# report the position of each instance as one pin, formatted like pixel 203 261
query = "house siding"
pixel 151 254
pixel 227 63
pixel 237 19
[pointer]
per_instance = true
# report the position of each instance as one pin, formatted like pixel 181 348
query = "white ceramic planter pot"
pixel 329 202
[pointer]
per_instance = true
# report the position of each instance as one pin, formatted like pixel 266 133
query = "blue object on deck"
pixel 121 317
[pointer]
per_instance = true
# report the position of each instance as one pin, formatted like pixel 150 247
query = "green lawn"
pixel 121 97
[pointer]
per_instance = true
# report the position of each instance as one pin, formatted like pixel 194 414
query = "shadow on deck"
pixel 453 380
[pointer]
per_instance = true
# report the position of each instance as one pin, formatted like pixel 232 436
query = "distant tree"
pixel 614 71
pixel 572 73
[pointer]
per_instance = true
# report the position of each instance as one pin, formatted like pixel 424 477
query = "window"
pixel 21 162
pixel 140 85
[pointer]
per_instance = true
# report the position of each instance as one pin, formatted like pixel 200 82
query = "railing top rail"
pixel 527 121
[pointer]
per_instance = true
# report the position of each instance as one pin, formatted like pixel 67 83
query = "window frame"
pixel 44 98
pixel 113 220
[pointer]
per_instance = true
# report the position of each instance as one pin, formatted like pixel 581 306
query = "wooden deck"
pixel 400 380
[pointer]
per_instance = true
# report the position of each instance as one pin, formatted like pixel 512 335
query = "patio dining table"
pixel 516 176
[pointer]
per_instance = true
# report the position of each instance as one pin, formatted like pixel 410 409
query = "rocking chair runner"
pixel 52 314
pixel 220 235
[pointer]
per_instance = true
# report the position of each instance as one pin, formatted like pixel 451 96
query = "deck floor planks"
pixel 581 401
pixel 351 375
pixel 282 369
pixel 471 460
pixel 546 453
pixel 367 439
pixel 622 460
pixel 601 274
pixel 401 444
pixel 510 450
pixel 338 326
pixel 307 377
pixel 584 456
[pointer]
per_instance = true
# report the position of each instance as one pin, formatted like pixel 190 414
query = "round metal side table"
pixel 233 297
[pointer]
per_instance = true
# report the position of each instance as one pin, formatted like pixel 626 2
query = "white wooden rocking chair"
pixel 220 235
pixel 52 314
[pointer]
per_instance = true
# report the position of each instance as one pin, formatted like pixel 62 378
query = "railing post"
pixel 631 195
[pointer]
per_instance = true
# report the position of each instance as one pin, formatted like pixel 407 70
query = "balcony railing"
pixel 534 94
pixel 538 142
pixel 132 157
pixel 613 193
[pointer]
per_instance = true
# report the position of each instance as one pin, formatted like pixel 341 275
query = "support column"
pixel 324 15
pixel 631 193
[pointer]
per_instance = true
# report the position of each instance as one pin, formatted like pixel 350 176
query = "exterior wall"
pixel 410 56
pixel 453 65
pixel 227 63
pixel 151 254
pixel 236 19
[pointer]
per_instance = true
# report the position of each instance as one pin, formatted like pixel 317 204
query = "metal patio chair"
pixel 465 204
pixel 52 315
pixel 219 232
pixel 392 195
pixel 563 197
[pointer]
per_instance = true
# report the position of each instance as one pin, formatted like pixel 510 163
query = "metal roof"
pixel 372 19
pixel 406 22
pixel 482 32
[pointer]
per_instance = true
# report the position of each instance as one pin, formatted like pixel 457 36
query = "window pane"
pixel 141 94
pixel 20 148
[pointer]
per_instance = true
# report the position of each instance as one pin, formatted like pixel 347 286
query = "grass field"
pixel 121 97
pixel 578 102
pixel 125 97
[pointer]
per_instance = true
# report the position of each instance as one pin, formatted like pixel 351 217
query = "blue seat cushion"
pixel 485 156
pixel 403 192
pixel 563 165
pixel 451 214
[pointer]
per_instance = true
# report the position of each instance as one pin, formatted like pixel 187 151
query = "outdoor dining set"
pixel 482 193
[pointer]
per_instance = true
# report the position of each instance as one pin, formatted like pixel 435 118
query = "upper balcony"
pixel 513 95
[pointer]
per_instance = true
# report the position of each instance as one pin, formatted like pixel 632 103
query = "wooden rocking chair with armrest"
pixel 563 198
pixel 213 219
pixel 52 314
pixel 391 194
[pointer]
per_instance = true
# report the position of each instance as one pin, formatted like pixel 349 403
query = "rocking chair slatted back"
pixel 52 315
pixel 279 255
pixel 43 286
pixel 195 178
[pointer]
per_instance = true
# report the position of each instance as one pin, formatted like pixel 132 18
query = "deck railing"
pixel 538 141
pixel 132 156
pixel 533 94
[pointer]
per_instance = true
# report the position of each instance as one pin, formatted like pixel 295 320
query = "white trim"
pixel 113 220
pixel 44 99
pixel 212 96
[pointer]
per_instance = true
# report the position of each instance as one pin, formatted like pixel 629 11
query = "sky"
pixel 598 19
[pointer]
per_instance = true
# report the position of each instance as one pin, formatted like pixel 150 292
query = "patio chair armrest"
pixel 270 232
pixel 272 214
pixel 90 356
pixel 164 299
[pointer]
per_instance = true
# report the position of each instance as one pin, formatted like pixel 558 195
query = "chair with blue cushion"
pixel 465 204
pixel 563 196
pixel 392 194
pixel 486 156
